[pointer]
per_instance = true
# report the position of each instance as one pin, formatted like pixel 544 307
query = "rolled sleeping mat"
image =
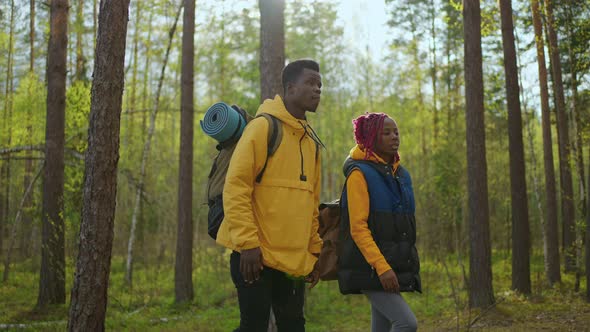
pixel 223 123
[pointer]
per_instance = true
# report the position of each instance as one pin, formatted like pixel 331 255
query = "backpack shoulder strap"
pixel 274 137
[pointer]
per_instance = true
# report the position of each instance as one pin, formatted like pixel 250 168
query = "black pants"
pixel 274 289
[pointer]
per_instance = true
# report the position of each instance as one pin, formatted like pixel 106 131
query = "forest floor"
pixel 442 306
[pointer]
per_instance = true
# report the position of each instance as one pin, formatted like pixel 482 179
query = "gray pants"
pixel 390 312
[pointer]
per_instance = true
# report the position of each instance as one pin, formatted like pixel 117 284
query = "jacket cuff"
pixel 382 266
pixel 248 245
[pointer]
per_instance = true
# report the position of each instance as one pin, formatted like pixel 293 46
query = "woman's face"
pixel 388 142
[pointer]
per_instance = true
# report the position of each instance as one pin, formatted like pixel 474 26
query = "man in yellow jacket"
pixel 271 225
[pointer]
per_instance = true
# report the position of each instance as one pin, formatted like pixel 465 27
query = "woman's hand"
pixel 389 281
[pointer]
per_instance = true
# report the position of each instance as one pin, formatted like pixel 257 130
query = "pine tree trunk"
pixel 89 293
pixel 481 293
pixel 144 157
pixel 588 238
pixel 567 193
pixel 272 47
pixel 183 271
pixel 521 280
pixel 52 278
pixel 551 237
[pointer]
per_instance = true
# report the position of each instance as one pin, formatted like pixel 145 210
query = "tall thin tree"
pixel 567 193
pixel 480 264
pixel 145 155
pixel 28 204
pixel 551 233
pixel 272 47
pixel 80 59
pixel 521 279
pixel 7 128
pixel 183 281
pixel 52 279
pixel 89 294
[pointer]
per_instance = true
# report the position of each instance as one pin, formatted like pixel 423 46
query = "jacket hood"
pixel 276 107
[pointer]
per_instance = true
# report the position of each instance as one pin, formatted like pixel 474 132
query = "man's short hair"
pixel 293 70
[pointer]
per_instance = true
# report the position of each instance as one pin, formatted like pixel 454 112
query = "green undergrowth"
pixel 443 305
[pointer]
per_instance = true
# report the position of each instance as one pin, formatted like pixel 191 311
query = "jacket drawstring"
pixel 314 137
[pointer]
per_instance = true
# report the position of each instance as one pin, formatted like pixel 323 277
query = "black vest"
pixel 393 225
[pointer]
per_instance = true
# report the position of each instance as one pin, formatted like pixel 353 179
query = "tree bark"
pixel 183 271
pixel 521 279
pixel 144 157
pixel 588 238
pixel 272 47
pixel 91 280
pixel 481 293
pixel 551 237
pixel 567 193
pixel 52 277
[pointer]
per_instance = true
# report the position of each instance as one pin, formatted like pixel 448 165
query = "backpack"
pixel 216 179
pixel 329 231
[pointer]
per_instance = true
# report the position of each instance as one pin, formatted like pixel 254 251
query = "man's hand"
pixel 389 281
pixel 314 277
pixel 251 264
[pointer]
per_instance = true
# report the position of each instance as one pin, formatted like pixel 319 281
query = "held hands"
pixel 389 281
pixel 251 264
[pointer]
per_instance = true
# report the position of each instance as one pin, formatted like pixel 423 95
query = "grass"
pixel 149 305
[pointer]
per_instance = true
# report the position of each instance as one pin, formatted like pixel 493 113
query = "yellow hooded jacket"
pixel 358 211
pixel 279 214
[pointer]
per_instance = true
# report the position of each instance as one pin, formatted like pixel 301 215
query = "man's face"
pixel 306 90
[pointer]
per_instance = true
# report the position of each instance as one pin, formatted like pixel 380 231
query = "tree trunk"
pixel 32 35
pixel 6 128
pixel 133 88
pixel 577 123
pixel 28 205
pixel 89 294
pixel 551 233
pixel 272 47
pixel 567 193
pixel 481 293
pixel 94 23
pixel 183 271
pixel 434 72
pixel 144 156
pixel 588 238
pixel 521 279
pixel 52 278
pixel 80 59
